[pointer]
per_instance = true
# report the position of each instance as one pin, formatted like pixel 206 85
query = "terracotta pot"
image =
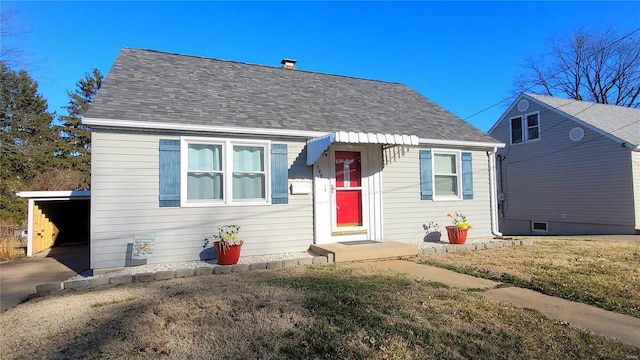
pixel 457 236
pixel 227 255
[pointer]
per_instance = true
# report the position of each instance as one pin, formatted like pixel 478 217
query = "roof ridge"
pixel 262 65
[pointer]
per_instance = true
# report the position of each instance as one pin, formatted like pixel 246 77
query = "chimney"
pixel 288 64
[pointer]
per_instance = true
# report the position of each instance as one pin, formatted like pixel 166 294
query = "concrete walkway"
pixel 623 328
pixel 18 279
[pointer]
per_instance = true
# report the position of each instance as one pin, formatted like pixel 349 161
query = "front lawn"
pixel 347 311
pixel 602 273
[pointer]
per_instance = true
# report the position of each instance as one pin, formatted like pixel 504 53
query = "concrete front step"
pixel 342 252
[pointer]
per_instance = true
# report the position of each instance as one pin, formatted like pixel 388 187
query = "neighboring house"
pixel 182 144
pixel 569 167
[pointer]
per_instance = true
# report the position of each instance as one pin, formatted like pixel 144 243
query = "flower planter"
pixel 456 236
pixel 227 255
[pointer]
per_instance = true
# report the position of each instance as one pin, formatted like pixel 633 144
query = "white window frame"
pixel 511 129
pixel 227 171
pixel 458 159
pixel 524 127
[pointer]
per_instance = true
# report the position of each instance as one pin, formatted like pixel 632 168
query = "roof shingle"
pixel 619 121
pixel 146 85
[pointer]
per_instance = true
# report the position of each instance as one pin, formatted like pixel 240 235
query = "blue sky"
pixel 464 56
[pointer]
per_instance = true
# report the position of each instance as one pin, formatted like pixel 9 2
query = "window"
pixel 525 128
pixel 446 175
pixel 204 172
pixel 248 172
pixel 224 171
pixel 533 128
pixel 516 130
pixel 538 226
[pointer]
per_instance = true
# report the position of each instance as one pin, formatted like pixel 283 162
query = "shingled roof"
pixel 158 87
pixel 620 122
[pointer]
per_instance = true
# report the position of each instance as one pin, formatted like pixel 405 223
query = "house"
pixel 182 144
pixel 569 167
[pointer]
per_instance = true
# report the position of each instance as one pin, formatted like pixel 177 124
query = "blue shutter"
pixel 169 173
pixel 426 175
pixel 279 174
pixel 467 176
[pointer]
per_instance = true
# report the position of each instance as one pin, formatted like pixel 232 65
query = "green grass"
pixel 602 273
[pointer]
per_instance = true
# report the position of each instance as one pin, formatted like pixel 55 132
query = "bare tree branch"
pixel 594 66
pixel 11 38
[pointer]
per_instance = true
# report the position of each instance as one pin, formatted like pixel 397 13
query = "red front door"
pixel 348 190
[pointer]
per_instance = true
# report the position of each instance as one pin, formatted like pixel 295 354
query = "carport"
pixel 57 218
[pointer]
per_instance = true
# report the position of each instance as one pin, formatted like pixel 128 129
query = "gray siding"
pixel 404 213
pixel 124 202
pixel 577 187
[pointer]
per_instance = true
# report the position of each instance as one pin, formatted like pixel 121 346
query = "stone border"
pixel 86 284
pixel 434 249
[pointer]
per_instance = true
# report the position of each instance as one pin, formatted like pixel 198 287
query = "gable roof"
pixel 146 86
pixel 618 122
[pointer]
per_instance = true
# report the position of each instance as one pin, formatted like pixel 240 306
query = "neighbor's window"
pixel 446 173
pixel 533 127
pixel 539 226
pixel 221 171
pixel 525 128
pixel 516 130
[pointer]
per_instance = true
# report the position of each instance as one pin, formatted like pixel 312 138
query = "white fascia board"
pixel 150 125
pixel 54 194
pixel 461 143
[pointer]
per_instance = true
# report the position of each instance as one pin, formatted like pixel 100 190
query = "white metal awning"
pixel 316 146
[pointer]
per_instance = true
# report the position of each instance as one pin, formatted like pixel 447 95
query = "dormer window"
pixel 525 128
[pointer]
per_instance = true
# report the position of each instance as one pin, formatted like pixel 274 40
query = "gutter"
pixel 306 134
pixel 493 199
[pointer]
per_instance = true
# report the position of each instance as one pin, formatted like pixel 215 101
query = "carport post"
pixel 30 227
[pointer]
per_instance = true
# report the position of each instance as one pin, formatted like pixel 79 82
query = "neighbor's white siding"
pixel 404 212
pixel 576 187
pixel 124 203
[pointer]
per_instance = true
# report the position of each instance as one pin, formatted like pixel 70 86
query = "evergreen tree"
pixel 27 139
pixel 76 137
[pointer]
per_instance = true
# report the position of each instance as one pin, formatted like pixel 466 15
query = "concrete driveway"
pixel 19 278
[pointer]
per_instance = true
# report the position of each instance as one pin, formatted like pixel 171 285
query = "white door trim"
pixel 324 181
pixel 356 232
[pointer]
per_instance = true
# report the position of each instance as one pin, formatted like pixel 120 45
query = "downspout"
pixel 501 197
pixel 493 199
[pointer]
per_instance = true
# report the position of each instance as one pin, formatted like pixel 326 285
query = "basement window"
pixel 539 226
